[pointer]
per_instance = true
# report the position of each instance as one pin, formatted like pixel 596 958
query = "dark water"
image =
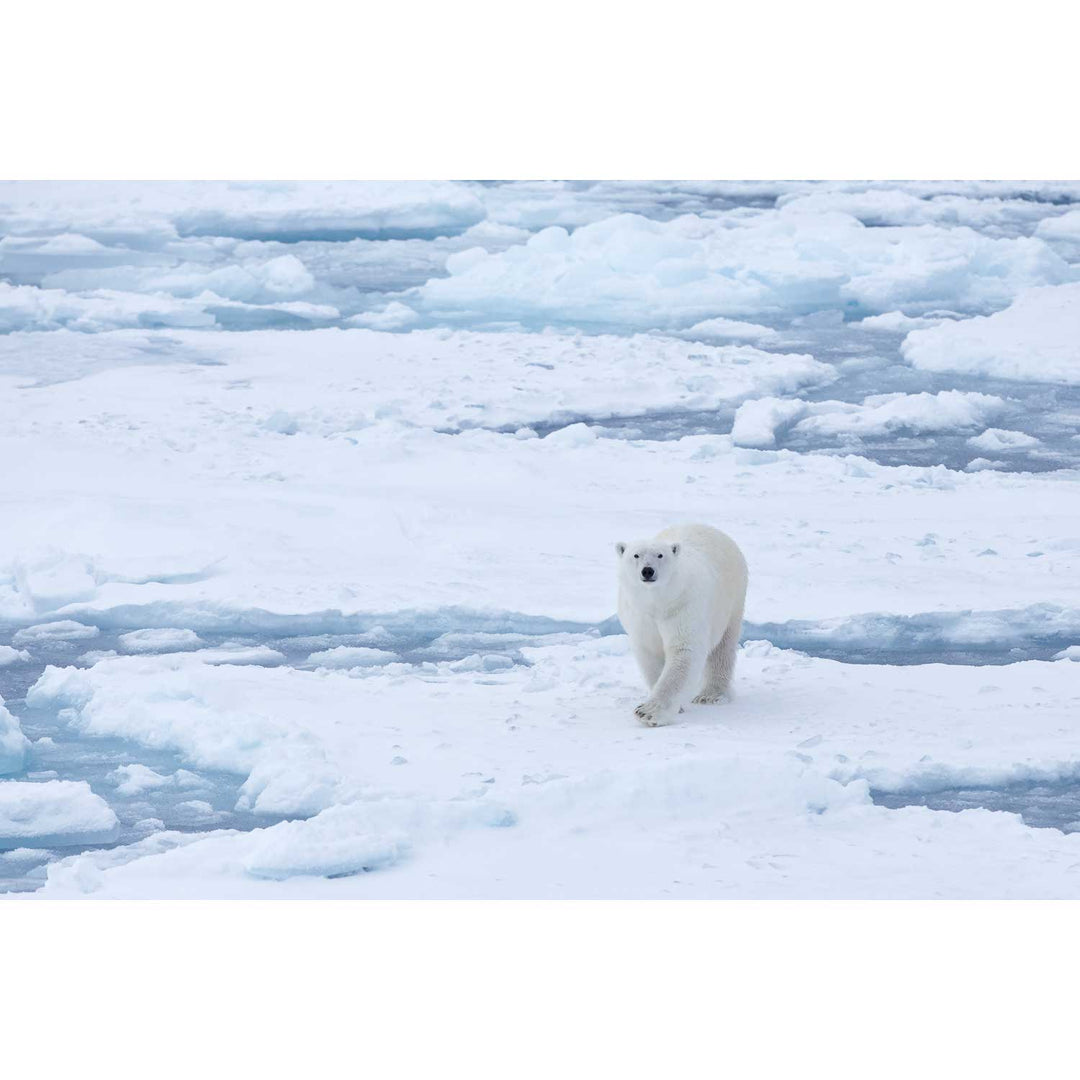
pixel 1044 805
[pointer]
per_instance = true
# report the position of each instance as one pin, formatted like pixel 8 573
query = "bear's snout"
pixel 648 573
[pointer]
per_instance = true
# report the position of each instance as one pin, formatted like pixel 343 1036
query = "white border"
pixel 233 89
pixel 679 988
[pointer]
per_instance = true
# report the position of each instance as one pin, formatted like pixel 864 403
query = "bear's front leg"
pixel 671 689
pixel 651 715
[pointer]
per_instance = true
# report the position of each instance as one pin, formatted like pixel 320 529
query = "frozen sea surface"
pixel 310 497
pixel 868 365
pixel 151 789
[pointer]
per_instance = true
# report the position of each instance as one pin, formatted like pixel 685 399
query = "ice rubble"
pixel 638 273
pixel 985 204
pixel 760 421
pixel 164 639
pixel 597 256
pixel 1036 337
pixel 134 213
pixel 999 439
pixel 248 278
pixel 135 779
pixel 13 744
pixel 1062 233
pixel 719 330
pixel 59 630
pixel 1009 214
pixel 898 322
pixel 52 812
pixel 26 307
pixel 344 656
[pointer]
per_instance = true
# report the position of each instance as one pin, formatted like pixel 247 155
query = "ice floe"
pixel 1036 337
pixel 52 812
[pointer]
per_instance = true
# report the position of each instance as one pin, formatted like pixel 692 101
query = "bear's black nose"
pixel 648 573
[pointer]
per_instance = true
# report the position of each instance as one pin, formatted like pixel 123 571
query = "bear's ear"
pixel 620 548
pixel 674 549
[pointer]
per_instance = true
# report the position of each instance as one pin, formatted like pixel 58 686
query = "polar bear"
pixel 681 598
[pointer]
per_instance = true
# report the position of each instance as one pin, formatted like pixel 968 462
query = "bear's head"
pixel 646 564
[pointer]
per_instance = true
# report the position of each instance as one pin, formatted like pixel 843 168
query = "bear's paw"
pixel 652 715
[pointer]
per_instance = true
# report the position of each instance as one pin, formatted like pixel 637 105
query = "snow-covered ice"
pixel 756 422
pixel 1036 337
pixel 55 811
pixel 306 574
pixel 165 639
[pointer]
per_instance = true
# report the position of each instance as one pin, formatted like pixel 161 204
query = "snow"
pixel 395 316
pixel 758 422
pixel 56 811
pixel 342 656
pixel 998 439
pixel 165 639
pixel 359 837
pixel 416 378
pixel 1062 233
pixel 504 793
pixel 306 574
pixel 26 307
pixel 135 779
pixel 898 322
pixel 720 330
pixel 1036 337
pixel 948 410
pixel 60 630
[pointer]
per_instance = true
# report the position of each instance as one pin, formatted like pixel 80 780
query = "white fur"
pixel 684 624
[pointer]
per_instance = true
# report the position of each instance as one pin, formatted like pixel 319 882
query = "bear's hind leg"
pixel 719 667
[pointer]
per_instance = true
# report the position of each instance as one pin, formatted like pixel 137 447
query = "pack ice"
pixel 306 583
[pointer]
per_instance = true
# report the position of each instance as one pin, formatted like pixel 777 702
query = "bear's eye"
pixel 659 556
pixel 637 556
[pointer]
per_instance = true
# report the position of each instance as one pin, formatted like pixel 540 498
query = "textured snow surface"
pixel 309 499
pixel 55 808
pixel 1036 337
pixel 532 783
pixel 756 422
